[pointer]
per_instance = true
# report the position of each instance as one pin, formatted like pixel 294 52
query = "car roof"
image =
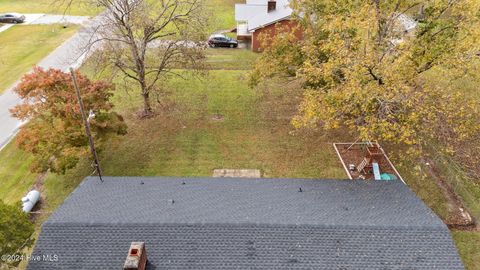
pixel 11 13
pixel 217 35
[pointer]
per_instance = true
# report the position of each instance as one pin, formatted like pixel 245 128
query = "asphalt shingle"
pixel 205 223
pixel 234 200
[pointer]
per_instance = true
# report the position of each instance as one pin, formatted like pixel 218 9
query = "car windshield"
pixel 220 37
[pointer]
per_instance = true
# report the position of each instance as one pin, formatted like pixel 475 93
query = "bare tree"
pixel 148 41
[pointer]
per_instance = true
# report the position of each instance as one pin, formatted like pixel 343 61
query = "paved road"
pixel 70 54
pixel 52 19
pixel 40 18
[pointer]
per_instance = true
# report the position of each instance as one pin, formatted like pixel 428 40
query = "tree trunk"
pixel 147 107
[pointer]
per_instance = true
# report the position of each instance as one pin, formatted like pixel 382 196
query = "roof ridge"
pixel 244 224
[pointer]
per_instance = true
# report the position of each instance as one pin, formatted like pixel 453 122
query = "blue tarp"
pixel 388 176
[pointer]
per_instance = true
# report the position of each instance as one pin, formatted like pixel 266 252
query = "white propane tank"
pixel 30 200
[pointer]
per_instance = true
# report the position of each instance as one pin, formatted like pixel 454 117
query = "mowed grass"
pixel 468 189
pixel 221 14
pixel 468 244
pixel 184 139
pixel 464 185
pixel 232 59
pixel 57 187
pixel 424 187
pixel 207 123
pixel 75 7
pixel 23 46
pixel 218 122
pixel 15 175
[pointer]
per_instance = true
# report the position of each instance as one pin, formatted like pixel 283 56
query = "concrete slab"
pixel 241 173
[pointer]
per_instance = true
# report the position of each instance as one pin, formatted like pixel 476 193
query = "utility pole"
pixel 86 122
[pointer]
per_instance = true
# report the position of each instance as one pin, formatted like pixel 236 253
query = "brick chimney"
pixel 137 257
pixel 272 5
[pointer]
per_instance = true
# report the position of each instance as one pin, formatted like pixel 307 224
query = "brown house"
pixel 257 18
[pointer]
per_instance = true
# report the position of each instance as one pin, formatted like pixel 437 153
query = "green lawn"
pixel 424 186
pixel 15 175
pixel 24 46
pixel 184 140
pixel 222 14
pixel 468 244
pixel 253 131
pixel 77 7
pixel 466 187
pixel 233 59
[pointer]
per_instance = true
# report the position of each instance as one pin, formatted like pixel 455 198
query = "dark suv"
pixel 12 18
pixel 222 41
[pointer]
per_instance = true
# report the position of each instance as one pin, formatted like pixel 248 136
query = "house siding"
pixel 272 30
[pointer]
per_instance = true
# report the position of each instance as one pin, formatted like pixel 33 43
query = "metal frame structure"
pixel 365 143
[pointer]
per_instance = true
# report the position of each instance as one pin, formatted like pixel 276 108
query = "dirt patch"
pixel 218 117
pixel 38 185
pixel 357 159
pixel 39 181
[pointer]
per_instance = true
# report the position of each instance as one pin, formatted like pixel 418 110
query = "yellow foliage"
pixel 365 67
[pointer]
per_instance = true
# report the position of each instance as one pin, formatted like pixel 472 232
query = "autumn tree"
pixel 282 56
pixel 147 41
pixel 15 233
pixel 55 132
pixel 366 65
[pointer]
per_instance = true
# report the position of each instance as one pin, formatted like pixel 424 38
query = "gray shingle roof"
pixel 259 201
pixel 205 223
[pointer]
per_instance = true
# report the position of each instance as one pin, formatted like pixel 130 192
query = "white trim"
pixel 270 23
pixel 341 160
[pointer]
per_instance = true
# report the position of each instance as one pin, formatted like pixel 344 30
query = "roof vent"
pixel 272 5
pixel 137 257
